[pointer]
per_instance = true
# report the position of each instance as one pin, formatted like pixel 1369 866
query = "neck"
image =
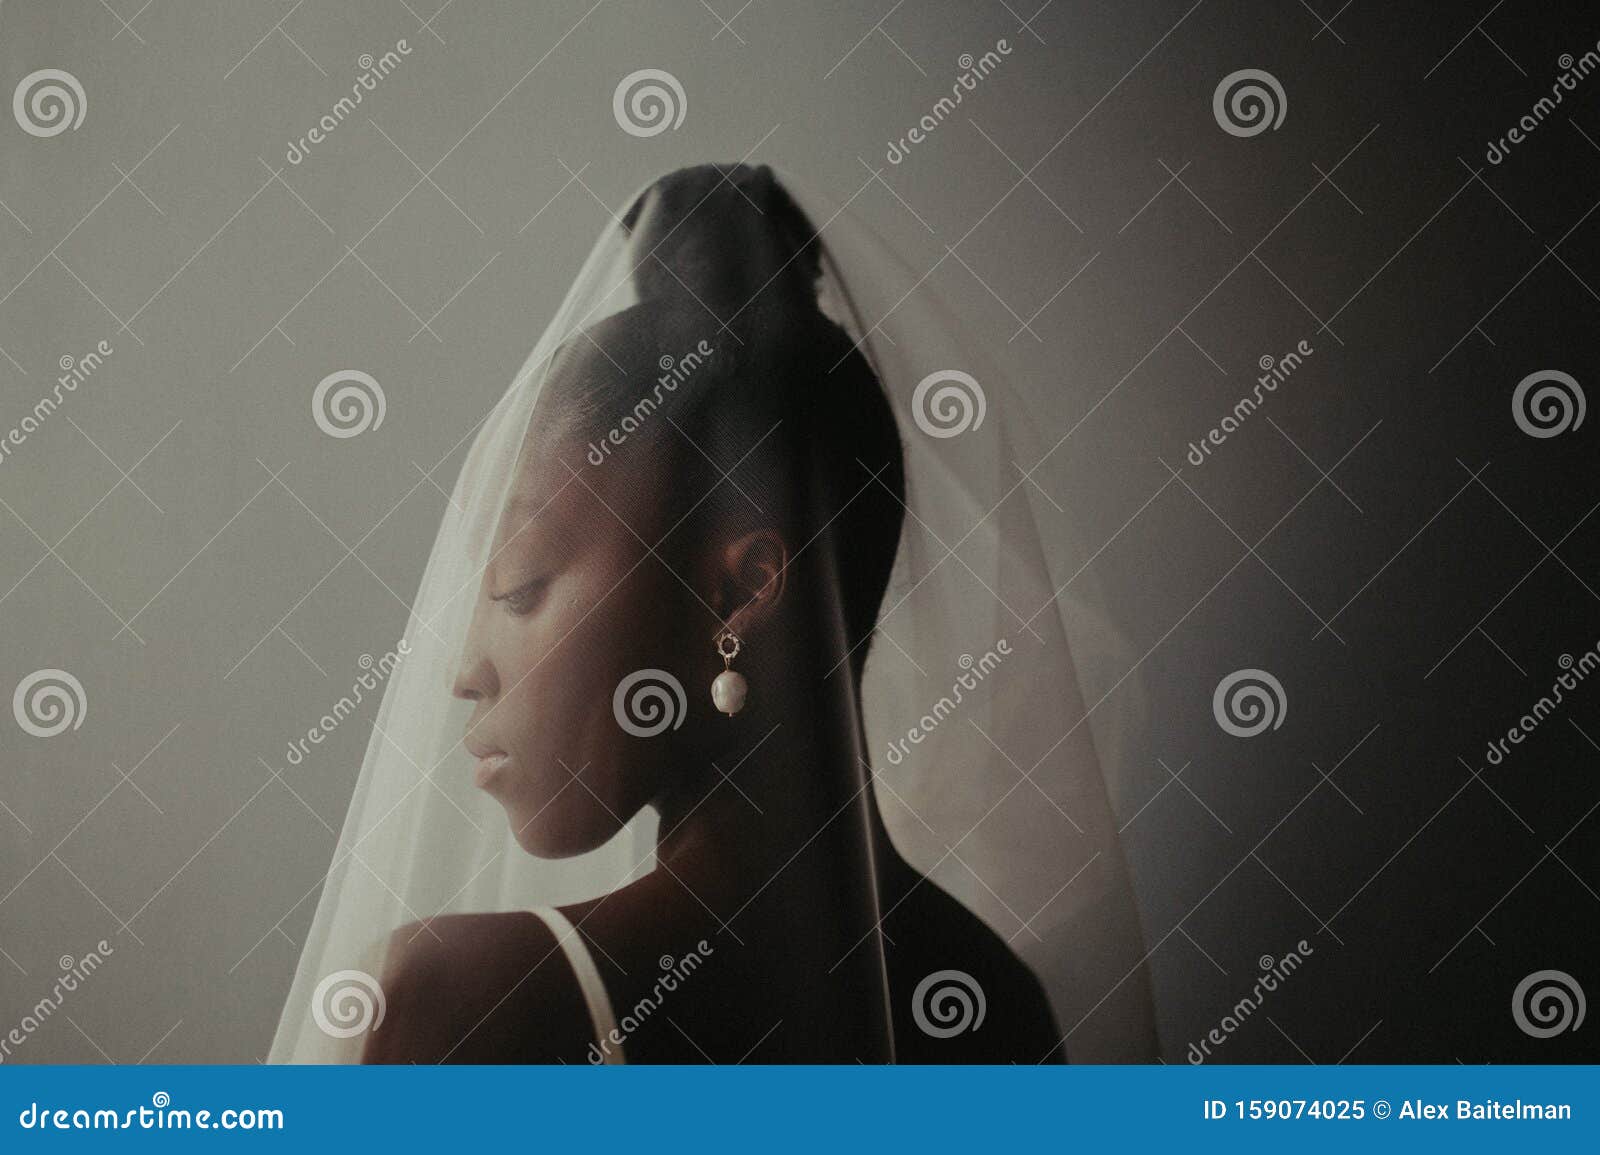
pixel 778 829
pixel 783 773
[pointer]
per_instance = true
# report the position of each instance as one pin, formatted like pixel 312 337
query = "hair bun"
pixel 724 234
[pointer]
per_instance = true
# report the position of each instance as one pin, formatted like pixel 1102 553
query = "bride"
pixel 739 615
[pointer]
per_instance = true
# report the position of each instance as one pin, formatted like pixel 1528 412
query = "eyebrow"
pixel 537 500
pixel 528 502
pixel 522 512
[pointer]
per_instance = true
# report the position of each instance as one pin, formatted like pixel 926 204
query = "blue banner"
pixel 747 1109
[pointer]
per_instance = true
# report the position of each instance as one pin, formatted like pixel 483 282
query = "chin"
pixel 554 835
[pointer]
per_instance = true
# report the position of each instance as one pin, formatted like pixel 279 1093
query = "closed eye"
pixel 524 598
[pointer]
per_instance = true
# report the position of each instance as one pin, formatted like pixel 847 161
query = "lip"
pixel 489 763
pixel 487 769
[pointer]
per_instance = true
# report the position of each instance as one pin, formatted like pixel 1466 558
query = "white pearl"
pixel 728 692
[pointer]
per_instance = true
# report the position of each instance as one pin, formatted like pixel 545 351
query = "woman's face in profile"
pixel 571 603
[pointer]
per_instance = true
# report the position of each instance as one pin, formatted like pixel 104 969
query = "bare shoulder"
pixel 478 988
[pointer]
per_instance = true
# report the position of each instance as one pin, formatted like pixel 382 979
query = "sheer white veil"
pixel 980 755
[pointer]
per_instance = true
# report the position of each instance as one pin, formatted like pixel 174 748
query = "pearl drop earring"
pixel 729 688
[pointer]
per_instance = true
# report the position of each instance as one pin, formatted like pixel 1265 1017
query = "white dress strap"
pixel 589 981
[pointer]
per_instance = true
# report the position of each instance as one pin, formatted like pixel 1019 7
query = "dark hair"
pixel 727 234
pixel 725 257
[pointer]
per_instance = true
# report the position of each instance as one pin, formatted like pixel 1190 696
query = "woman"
pixel 673 546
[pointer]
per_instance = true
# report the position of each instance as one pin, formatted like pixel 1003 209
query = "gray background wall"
pixel 182 538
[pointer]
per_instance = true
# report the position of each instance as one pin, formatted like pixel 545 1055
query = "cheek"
pixel 553 686
pixel 603 622
pixel 568 659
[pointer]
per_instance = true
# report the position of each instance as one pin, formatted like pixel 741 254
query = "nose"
pixel 476 677
pixel 476 680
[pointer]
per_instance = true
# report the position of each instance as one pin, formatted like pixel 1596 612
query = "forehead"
pixel 557 487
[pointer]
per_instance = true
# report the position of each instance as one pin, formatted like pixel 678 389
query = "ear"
pixel 750 577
